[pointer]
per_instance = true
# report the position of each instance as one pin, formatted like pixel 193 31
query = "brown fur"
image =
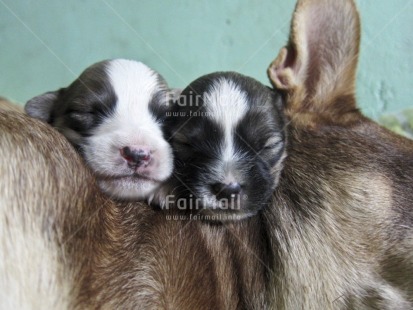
pixel 341 221
pixel 343 213
pixel 6 105
pixel 118 255
pixel 317 69
pixel 337 235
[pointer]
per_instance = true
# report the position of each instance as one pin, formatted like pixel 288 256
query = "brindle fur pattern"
pixel 337 235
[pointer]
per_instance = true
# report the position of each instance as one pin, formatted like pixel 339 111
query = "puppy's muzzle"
pixel 226 191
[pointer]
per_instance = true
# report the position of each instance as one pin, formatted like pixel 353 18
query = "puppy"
pixel 227 132
pixel 113 115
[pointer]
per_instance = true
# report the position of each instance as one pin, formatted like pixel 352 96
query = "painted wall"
pixel 44 44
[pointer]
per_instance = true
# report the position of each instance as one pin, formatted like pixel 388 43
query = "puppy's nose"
pixel 136 155
pixel 226 191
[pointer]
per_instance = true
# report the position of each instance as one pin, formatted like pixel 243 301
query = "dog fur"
pixel 7 105
pixel 337 235
pixel 65 245
pixel 345 195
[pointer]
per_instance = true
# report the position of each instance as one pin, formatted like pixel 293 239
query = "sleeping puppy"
pixel 113 115
pixel 227 132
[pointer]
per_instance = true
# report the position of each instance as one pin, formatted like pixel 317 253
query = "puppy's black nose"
pixel 135 156
pixel 226 191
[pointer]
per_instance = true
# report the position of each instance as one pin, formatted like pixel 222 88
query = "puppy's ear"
pixel 41 106
pixel 318 66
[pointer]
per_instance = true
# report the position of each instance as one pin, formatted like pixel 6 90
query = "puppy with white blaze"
pixel 227 132
pixel 113 115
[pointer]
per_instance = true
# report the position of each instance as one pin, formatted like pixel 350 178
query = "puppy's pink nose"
pixel 136 155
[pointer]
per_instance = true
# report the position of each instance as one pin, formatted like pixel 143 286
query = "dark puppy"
pixel 113 114
pixel 227 131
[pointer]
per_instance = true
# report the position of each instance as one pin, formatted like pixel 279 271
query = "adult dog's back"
pixel 66 245
pixel 39 201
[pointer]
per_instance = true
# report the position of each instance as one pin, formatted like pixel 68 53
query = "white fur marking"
pixel 227 105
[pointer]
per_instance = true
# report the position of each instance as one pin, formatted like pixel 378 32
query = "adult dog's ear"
pixel 41 106
pixel 317 69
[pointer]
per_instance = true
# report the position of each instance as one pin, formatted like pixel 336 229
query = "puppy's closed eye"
pixel 80 121
pixel 273 143
pixel 80 116
pixel 181 140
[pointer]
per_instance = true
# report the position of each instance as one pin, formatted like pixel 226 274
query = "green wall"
pixel 44 45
